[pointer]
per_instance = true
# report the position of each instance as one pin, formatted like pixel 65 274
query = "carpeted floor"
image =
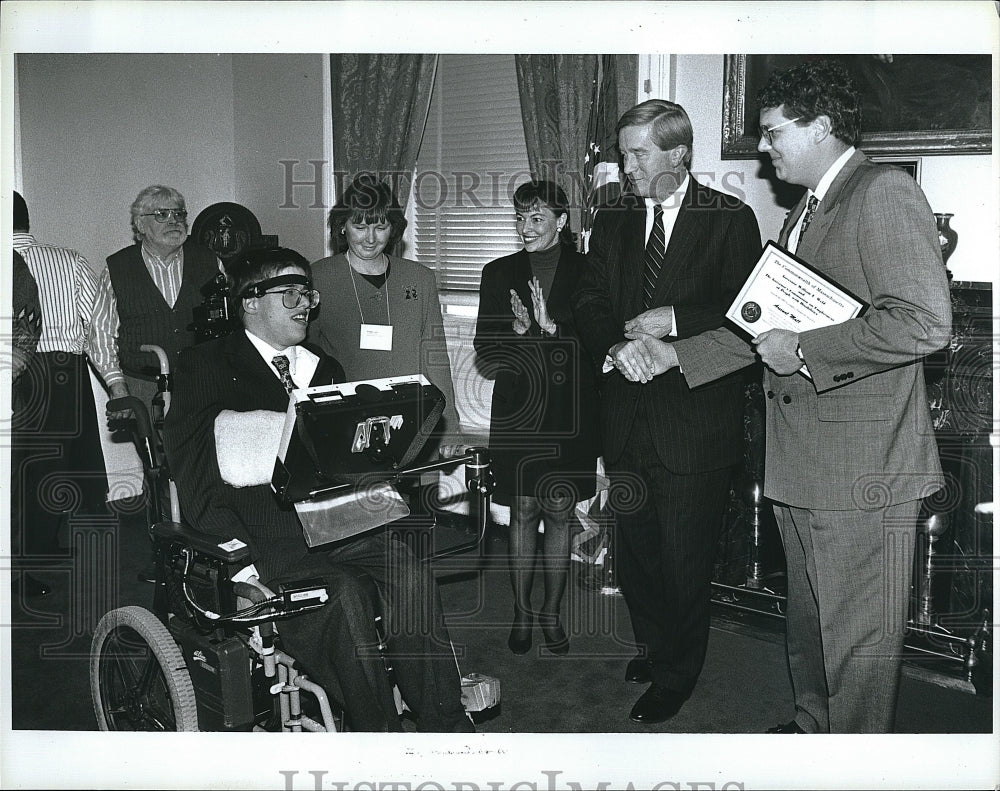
pixel 744 687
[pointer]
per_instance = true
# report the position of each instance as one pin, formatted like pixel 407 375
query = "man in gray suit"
pixel 850 451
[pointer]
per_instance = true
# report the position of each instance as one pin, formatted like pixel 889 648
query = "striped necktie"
pixel 656 246
pixel 280 363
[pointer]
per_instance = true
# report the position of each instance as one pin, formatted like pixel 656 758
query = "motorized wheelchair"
pixel 208 656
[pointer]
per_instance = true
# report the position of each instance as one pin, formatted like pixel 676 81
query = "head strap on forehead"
pixel 258 289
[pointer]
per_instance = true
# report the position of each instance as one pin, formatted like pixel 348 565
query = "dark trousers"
pixel 57 465
pixel 667 528
pixel 339 648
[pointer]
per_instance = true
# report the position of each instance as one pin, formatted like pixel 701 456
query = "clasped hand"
pixel 642 358
pixel 777 350
pixel 658 322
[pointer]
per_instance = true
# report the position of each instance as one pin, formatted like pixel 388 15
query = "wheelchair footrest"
pixel 480 692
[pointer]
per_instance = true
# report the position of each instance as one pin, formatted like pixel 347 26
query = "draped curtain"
pixel 569 107
pixel 556 94
pixel 380 105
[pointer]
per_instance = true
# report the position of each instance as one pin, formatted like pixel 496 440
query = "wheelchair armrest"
pixel 233 551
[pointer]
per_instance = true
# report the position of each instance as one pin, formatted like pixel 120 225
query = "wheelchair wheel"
pixel 138 679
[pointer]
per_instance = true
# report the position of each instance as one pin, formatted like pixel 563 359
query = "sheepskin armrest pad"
pixel 246 445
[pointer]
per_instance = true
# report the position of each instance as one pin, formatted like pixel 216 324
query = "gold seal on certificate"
pixel 785 293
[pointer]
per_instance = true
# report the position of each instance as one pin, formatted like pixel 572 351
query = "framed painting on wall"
pixel 910 164
pixel 910 104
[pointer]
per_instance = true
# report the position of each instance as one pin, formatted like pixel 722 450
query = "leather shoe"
pixel 657 704
pixel 789 727
pixel 148 574
pixel 638 670
pixel 555 637
pixel 34 586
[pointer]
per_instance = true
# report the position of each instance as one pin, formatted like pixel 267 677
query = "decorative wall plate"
pixel 227 229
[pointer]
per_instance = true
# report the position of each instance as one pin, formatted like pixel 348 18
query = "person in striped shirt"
pixel 26 328
pixel 147 295
pixel 26 319
pixel 57 461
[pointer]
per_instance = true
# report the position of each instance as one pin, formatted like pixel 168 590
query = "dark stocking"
pixel 525 514
pixel 555 559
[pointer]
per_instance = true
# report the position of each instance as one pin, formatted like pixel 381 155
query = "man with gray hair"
pixel 148 293
pixel 665 261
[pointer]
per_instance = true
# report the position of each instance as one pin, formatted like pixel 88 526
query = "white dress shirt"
pixel 821 189
pixel 302 363
pixel 671 208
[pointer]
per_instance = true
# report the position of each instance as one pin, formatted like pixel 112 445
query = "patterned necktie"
pixel 808 215
pixel 280 363
pixel 656 246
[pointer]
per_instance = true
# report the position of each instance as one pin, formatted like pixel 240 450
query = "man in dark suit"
pixel 850 448
pixel 221 436
pixel 666 261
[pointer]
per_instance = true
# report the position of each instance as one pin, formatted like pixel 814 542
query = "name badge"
pixel 376 336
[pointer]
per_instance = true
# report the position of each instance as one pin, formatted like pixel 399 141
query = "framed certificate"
pixel 786 293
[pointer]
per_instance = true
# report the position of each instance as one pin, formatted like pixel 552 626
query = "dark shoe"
pixel 789 727
pixel 555 637
pixel 148 574
pixel 638 670
pixel 657 704
pixel 519 641
pixel 34 586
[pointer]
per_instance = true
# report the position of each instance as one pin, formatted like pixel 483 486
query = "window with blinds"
pixel 472 158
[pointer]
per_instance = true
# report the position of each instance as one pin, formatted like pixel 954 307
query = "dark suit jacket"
pixel 544 394
pixel 858 435
pixel 714 244
pixel 229 374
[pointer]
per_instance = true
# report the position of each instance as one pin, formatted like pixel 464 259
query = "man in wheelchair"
pixel 221 436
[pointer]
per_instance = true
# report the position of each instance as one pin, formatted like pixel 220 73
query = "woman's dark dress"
pixel 543 422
